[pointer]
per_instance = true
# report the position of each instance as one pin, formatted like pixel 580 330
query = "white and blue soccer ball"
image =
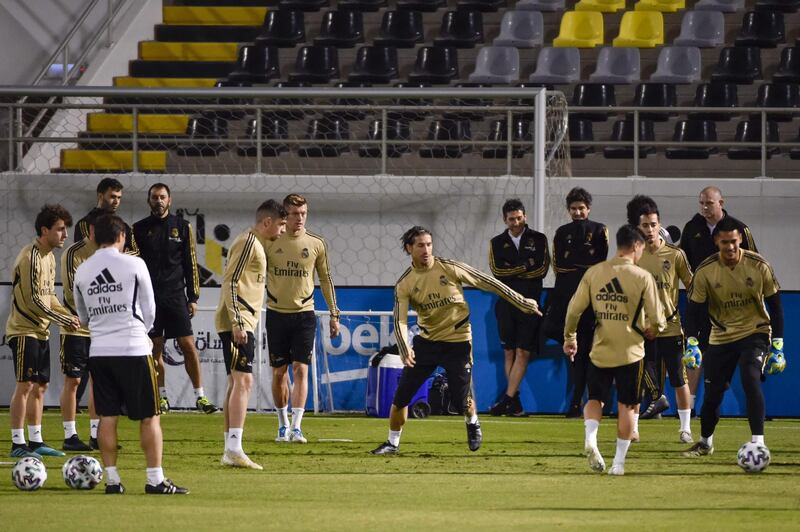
pixel 29 474
pixel 753 457
pixel 82 472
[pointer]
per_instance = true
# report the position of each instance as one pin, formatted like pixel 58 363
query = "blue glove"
pixel 692 357
pixel 776 362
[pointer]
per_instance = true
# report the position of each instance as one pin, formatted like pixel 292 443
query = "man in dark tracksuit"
pixel 167 247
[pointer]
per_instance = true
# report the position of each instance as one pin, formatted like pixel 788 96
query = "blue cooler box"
pixel 381 384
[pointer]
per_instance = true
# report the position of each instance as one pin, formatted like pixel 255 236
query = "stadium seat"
pixel 342 29
pixel 496 64
pixel 724 6
pixel 557 66
pixel 304 5
pixel 206 130
pixel 664 6
pixel 498 132
pixel 521 29
pixel 783 95
pixel 787 6
pixel 750 131
pixel 272 129
pixel 283 28
pixel 580 130
pixel 325 129
pixel 640 29
pixel 460 29
pixel 622 130
pixel 375 64
pixel 580 29
pixel 762 28
pixel 603 6
pixel 693 131
pixel 789 67
pixel 257 63
pixel 541 5
pixel 738 64
pixel 402 29
pixel 593 95
pixel 487 6
pixel 715 94
pixel 704 29
pixel 421 5
pixel 655 95
pixel 447 129
pixel 349 112
pixel 395 130
pixel 617 66
pixel 316 64
pixel 416 114
pixel 435 64
pixel 794 153
pixel 678 64
pixel 361 5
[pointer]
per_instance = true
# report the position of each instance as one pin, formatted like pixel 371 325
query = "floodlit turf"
pixel 530 474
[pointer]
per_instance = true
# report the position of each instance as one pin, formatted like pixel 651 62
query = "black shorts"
pixel 290 337
pixel 454 357
pixel 516 329
pixel 720 361
pixel 667 354
pixel 74 354
pixel 125 386
pixel 172 318
pixel 31 359
pixel 238 357
pixel 628 380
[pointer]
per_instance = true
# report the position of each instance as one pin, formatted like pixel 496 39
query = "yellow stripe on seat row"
pixel 214 16
pixel 188 51
pixel 128 81
pixel 112 160
pixel 148 123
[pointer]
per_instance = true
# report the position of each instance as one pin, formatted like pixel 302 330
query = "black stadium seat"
pixel 207 130
pixel 316 64
pixel 715 94
pixel 322 129
pixel 342 29
pixel 623 131
pixel 395 130
pixel 487 6
pixel 593 95
pixel 349 112
pixel 421 5
pixel 693 131
pixel 520 132
pixel 257 63
pixel 580 130
pixel 655 95
pixel 272 129
pixel 283 28
pixel 750 131
pixel 789 67
pixel 447 129
pixel 304 5
pixel 418 104
pixel 763 28
pixel 779 95
pixel 435 64
pixel 402 29
pixel 461 29
pixel 361 5
pixel 375 64
pixel 738 64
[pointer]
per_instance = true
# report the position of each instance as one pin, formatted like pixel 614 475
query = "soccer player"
pixel 576 246
pixel 113 295
pixel 520 259
pixel 34 306
pixel 109 197
pixel 433 286
pixel 618 291
pixel 669 266
pixel 240 302
pixel 167 246
pixel 291 324
pixel 733 289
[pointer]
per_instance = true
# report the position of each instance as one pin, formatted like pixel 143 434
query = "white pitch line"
pixel 345 440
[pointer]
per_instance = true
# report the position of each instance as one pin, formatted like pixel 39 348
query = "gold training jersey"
pixel 242 292
pixel 291 263
pixel 74 256
pixel 34 303
pixel 437 294
pixel 669 266
pixel 735 296
pixel 624 300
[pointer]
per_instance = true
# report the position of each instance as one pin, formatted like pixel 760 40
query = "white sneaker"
pixel 283 434
pixel 596 461
pixel 296 436
pixel 686 437
pixel 617 470
pixel 239 459
pixel 225 460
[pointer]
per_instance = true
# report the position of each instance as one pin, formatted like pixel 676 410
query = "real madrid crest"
pixel 304 253
pixel 174 232
pixel 749 282
pixel 666 265
pixel 443 280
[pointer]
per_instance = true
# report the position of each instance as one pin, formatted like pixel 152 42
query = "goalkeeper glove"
pixel 692 357
pixel 776 362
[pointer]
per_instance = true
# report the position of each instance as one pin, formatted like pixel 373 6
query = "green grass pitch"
pixel 529 475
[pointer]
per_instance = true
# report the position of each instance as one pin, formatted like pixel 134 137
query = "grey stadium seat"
pixel 541 5
pixel 705 29
pixel 522 29
pixel 496 64
pixel 678 64
pixel 726 6
pixel 557 66
pixel 617 65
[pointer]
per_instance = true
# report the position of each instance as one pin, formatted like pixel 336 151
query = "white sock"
pixel 234 441
pixel 69 429
pixel 162 391
pixel 35 434
pixel 590 427
pixel 297 417
pixel 686 417
pixel 622 450
pixel 155 476
pixel 283 416
pixel 471 419
pixel 225 438
pixel 758 438
pixel 691 402
pixel 93 424
pixel 394 437
pixel 635 422
pixel 708 441
pixel 199 392
pixel 18 436
pixel 112 476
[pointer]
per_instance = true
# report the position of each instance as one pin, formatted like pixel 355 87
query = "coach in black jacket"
pixel 166 243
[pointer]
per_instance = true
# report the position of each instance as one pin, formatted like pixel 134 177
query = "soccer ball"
pixel 82 472
pixel 753 457
pixel 29 474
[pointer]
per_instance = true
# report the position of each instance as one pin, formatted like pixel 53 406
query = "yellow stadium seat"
pixel 603 6
pixel 640 29
pixel 188 51
pixel 214 16
pixel 665 6
pixel 127 81
pixel 112 160
pixel 580 29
